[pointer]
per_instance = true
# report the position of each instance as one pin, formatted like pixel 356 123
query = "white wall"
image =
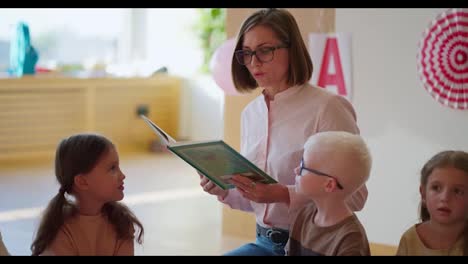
pixel 171 40
pixel 201 109
pixel 403 125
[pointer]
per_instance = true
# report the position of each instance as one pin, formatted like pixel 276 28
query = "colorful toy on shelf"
pixel 23 56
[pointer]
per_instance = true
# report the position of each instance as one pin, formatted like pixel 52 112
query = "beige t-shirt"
pixel 346 238
pixel 411 245
pixel 3 250
pixel 89 236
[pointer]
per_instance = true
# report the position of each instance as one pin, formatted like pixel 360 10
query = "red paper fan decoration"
pixel 443 58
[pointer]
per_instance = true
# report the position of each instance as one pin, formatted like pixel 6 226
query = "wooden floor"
pixel 162 190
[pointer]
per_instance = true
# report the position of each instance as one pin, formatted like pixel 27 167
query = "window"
pixel 127 41
pixel 172 40
pixel 65 36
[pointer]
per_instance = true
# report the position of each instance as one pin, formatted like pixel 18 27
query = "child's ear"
pixel 81 182
pixel 422 191
pixel 330 185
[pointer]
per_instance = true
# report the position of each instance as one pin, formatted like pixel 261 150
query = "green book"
pixel 214 159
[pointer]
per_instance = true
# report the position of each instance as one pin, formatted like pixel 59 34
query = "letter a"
pixel 328 77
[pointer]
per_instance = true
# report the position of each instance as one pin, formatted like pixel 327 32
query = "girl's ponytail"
pixel 54 217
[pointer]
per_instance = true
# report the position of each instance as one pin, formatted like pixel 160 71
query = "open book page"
pixel 219 162
pixel 167 140
pixel 214 159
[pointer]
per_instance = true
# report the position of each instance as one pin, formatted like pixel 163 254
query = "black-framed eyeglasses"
pixel 316 172
pixel 263 54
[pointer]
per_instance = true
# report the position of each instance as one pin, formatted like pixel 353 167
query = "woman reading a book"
pixel 270 53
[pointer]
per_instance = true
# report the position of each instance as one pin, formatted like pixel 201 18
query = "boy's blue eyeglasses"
pixel 316 172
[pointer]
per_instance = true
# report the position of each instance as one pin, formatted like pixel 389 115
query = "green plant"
pixel 211 30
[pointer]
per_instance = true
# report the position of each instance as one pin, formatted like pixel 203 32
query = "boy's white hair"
pixel 342 155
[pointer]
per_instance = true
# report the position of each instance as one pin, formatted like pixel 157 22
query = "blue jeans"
pixel 263 246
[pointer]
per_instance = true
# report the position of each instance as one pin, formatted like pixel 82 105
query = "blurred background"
pixel 97 69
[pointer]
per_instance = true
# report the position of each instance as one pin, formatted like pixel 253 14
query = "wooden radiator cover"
pixel 35 113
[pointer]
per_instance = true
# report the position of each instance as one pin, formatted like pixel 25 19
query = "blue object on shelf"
pixel 23 56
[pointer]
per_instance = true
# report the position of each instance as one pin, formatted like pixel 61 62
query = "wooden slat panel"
pixel 34 120
pixel 121 103
pixel 35 114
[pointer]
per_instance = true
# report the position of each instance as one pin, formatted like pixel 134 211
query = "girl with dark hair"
pixel 94 222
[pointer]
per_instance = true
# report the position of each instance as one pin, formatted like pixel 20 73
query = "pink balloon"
pixel 220 66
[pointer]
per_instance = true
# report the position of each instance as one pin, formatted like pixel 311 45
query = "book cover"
pixel 214 159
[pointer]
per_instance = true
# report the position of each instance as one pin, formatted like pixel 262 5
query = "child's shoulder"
pixel 352 237
pixel 351 224
pixel 302 214
pixel 410 233
pixel 306 211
